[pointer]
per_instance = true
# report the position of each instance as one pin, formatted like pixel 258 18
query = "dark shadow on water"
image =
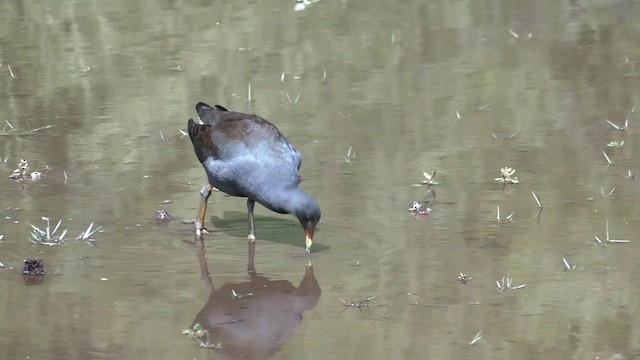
pixel 255 318
pixel 277 230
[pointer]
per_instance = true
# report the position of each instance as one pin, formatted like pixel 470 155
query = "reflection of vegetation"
pixel 197 333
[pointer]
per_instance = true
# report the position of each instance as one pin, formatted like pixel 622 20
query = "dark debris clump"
pixel 163 217
pixel 33 267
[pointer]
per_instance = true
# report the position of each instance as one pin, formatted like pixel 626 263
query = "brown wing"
pixel 224 131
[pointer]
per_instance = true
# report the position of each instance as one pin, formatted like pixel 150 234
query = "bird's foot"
pixel 200 230
pixel 251 238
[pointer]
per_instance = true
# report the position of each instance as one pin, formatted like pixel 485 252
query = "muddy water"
pixel 410 87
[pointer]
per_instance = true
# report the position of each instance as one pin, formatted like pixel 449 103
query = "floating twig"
pixel 364 303
pixel 235 295
pixel 617 127
pixel 608 240
pixel 609 162
pixel 86 235
pixel 476 338
pixel 567 266
pixel 507 284
pixel 535 197
pixel 42 128
pixel 291 101
pixel 249 97
pixel 430 179
pixel 351 156
pixel 499 219
pixel 607 194
pixel 631 175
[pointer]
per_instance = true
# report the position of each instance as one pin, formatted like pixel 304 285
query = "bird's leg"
pixel 204 196
pixel 251 268
pixel 252 232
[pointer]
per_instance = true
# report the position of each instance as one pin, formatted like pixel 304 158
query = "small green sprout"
pixel 507 174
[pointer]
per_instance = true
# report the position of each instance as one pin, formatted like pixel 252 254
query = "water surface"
pixel 410 87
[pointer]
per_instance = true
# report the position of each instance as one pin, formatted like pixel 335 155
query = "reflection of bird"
pixel 245 155
pixel 253 319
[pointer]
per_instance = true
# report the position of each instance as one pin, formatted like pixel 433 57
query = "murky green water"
pixel 412 86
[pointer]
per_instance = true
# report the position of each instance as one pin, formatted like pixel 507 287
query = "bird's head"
pixel 309 215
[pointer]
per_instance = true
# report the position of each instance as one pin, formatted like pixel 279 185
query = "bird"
pixel 245 155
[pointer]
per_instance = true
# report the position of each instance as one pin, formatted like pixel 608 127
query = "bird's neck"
pixel 285 201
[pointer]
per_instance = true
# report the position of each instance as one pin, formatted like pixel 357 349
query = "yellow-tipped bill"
pixel 309 240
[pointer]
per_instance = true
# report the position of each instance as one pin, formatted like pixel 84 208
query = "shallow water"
pixel 411 87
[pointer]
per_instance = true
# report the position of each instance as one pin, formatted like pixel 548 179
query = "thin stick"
pixel 10 71
pixel 537 200
pixel 612 124
pixel 476 338
pixel 42 128
pixel 607 157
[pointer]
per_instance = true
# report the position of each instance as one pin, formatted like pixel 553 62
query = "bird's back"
pixel 242 153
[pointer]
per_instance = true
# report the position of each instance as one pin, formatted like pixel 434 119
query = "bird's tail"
pixel 209 115
pixel 193 128
pixel 199 139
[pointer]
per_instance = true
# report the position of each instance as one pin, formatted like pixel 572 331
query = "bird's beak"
pixel 309 239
